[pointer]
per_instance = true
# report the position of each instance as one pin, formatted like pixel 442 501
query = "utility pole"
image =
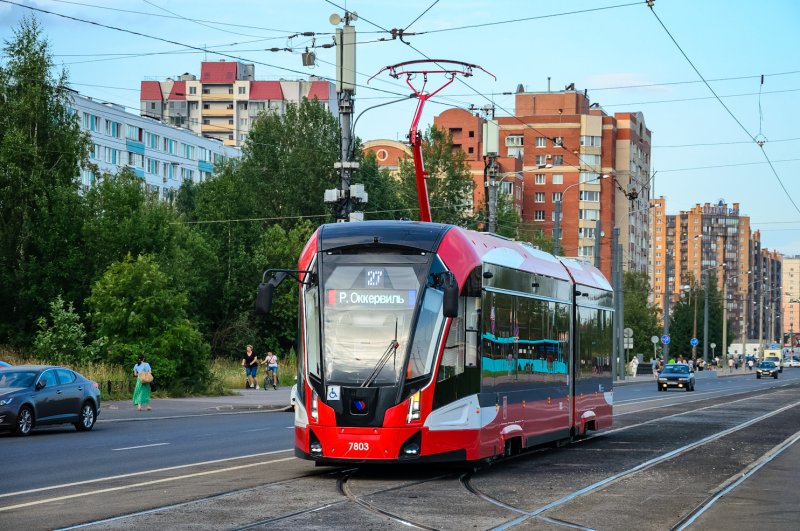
pixel 597 232
pixel 621 321
pixel 615 362
pixel 761 311
pixel 491 140
pixel 667 256
pixel 705 320
pixel 557 227
pixel 693 292
pixel 343 199
pixel 724 315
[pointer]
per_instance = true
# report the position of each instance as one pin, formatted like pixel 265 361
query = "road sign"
pixel 694 342
pixel 628 332
pixel 713 345
pixel 771 345
pixel 654 340
pixel 628 343
pixel 665 339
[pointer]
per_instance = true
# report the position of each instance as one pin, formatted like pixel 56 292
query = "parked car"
pixel 678 375
pixel 793 362
pixel 38 395
pixel 767 368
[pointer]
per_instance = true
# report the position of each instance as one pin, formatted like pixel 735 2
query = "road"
pixel 234 469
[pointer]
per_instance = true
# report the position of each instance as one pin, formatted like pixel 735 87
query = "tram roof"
pixel 585 273
pixel 413 234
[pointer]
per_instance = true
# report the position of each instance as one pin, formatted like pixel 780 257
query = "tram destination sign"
pixel 379 298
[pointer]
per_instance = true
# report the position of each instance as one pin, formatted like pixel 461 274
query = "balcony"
pixel 217 97
pixel 217 112
pixel 210 128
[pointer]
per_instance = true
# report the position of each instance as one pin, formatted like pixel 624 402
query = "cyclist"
pixel 271 362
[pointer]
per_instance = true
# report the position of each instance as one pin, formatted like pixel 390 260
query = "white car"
pixel 794 362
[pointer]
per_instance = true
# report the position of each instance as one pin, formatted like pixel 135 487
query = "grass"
pixel 231 373
pixel 117 383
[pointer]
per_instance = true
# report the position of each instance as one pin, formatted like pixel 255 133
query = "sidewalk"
pixel 241 400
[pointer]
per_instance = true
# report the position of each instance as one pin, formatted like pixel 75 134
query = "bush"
pixel 61 341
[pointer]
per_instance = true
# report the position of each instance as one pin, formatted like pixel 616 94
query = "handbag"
pixel 146 377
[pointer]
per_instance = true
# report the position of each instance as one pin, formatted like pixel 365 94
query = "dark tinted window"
pixel 49 378
pixel 65 376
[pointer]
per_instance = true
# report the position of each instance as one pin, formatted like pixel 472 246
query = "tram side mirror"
pixel 265 290
pixel 450 304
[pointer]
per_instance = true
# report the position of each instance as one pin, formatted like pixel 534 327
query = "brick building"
pixel 565 145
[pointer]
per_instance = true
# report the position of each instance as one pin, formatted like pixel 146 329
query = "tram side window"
pixel 311 305
pixel 595 339
pixel 458 371
pixel 498 363
pixel 543 344
pixel 426 336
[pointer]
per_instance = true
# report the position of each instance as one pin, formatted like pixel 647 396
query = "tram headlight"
pixel 314 406
pixel 413 407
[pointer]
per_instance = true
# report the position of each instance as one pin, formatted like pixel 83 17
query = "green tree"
pixel 449 181
pixel 682 320
pixel 640 315
pixel 531 231
pixel 62 339
pixel 383 189
pixel 41 152
pixel 136 309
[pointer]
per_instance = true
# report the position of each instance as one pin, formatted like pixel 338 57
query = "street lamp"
pixel 557 225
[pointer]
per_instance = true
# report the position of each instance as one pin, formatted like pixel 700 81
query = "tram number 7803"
pixel 359 446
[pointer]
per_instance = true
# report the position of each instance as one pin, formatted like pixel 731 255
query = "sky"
pixel 627 56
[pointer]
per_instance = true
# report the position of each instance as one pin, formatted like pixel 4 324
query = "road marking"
pixel 257 429
pixel 134 474
pixel 142 484
pixel 137 447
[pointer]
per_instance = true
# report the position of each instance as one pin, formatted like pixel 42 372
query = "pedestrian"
pixel 730 364
pixel 250 364
pixel 750 364
pixel 141 394
pixel 654 367
pixel 272 365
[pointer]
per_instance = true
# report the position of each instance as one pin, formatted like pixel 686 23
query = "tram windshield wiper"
pixel 390 350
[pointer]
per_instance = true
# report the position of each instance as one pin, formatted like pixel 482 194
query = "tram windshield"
pixel 367 316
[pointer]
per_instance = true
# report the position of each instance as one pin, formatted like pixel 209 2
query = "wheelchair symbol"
pixel 333 392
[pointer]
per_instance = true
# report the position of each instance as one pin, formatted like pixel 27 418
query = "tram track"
pixel 617 476
pixel 345 479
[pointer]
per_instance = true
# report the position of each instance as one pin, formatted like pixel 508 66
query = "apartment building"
pixel 565 145
pixel 223 103
pixel 790 311
pixel 716 239
pixel 163 156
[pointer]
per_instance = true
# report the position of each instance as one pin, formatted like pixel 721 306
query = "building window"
pixel 134 133
pixel 506 187
pixel 471 150
pixel 539 197
pixel 558 178
pixel 586 250
pixel 192 90
pixel 541 141
pixel 558 141
pixel 538 215
pixel 541 160
pixel 516 152
pixel 589 196
pixel 589 176
pixel 591 160
pixel 590 141
pixel 515 141
pixel 472 134
pixel 558 160
pixel 589 214
pixel 242 90
pixel 539 178
pixel 556 196
pixel 586 232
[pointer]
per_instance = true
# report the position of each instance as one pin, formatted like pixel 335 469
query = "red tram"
pixel 424 342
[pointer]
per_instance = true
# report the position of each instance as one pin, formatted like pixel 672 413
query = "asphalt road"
pixel 231 466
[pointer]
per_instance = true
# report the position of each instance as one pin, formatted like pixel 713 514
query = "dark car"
pixel 37 395
pixel 767 368
pixel 678 375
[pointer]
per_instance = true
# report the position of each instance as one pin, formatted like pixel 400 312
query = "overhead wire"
pixel 203 24
pixel 761 145
pixel 421 14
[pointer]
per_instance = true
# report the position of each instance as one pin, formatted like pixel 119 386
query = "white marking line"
pixel 257 429
pixel 755 467
pixel 170 417
pixel 641 466
pixel 137 447
pixel 134 474
pixel 142 484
